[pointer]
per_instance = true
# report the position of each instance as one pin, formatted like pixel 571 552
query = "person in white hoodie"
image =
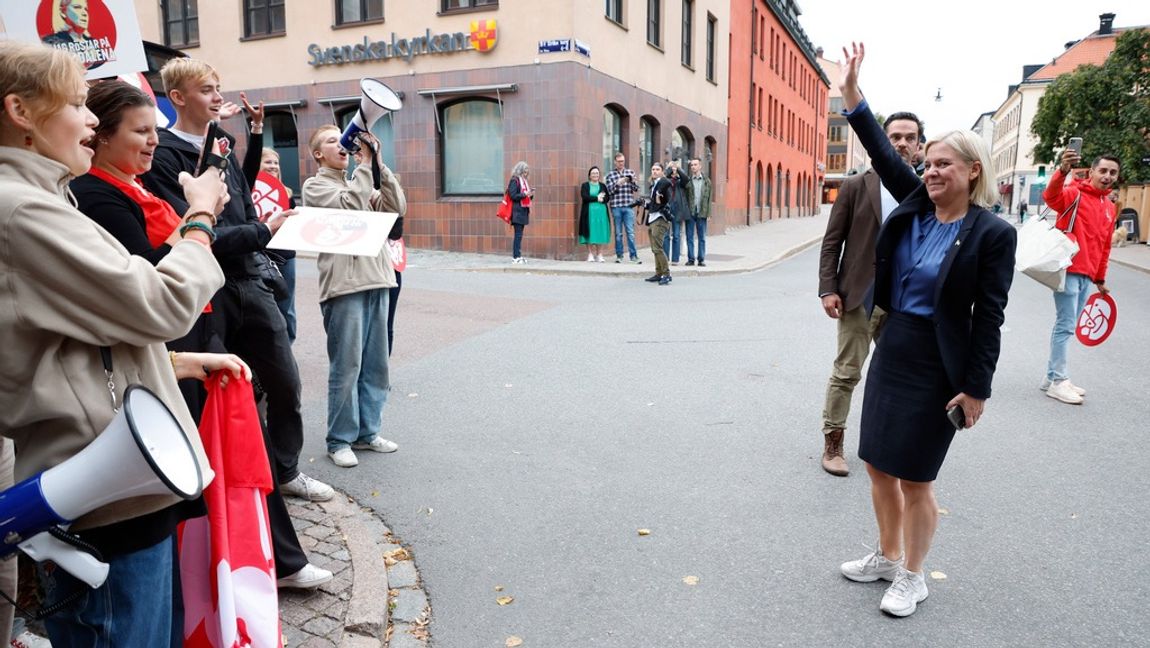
pixel 354 297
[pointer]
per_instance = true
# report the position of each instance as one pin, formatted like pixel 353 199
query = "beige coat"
pixel 342 274
pixel 67 287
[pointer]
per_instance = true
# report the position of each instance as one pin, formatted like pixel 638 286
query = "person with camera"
pixel 621 187
pixel 677 212
pixel 657 207
pixel 1093 213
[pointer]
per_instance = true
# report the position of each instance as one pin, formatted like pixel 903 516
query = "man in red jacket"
pixel 1093 217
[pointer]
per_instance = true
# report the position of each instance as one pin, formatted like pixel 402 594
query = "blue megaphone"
pixel 377 101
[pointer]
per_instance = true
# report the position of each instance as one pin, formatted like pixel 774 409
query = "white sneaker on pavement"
pixel 344 458
pixel 1064 391
pixel 1045 384
pixel 590 258
pixel 310 577
pixel 871 567
pixel 378 444
pixel 599 259
pixel 904 594
pixel 307 488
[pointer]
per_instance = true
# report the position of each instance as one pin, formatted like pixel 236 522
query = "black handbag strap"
pixel 106 358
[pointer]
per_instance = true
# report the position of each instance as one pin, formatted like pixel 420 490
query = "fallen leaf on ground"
pixel 375 493
pixel 505 600
pixel 1073 516
pixel 513 641
pixel 943 511
pixel 397 555
pixel 508 385
pixel 498 588
pixel 691 580
pixel 937 575
pixel 413 395
pixel 644 532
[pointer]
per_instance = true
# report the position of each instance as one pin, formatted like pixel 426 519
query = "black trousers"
pixel 392 300
pixel 252 327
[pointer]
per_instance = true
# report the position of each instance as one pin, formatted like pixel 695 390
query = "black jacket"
pixel 520 213
pixel 974 278
pixel 238 230
pixel 113 210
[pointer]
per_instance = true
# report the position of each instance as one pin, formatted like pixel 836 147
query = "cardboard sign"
pixel 269 195
pixel 103 34
pixel 334 231
pixel 398 252
pixel 1097 320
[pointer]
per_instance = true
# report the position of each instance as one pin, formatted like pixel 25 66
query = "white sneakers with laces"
pixel 871 567
pixel 310 577
pixel 904 594
pixel 1064 391
pixel 305 487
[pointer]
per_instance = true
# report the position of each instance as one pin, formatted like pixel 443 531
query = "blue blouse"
pixel 916 263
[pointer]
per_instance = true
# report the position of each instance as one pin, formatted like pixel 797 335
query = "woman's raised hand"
pixel 256 113
pixel 849 85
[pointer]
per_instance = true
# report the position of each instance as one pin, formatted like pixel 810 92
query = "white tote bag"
pixel 1045 252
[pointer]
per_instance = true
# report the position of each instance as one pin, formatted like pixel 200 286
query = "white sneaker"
pixel 344 458
pixel 590 258
pixel 871 567
pixel 310 577
pixel 307 488
pixel 599 259
pixel 1046 385
pixel 1064 391
pixel 28 640
pixel 904 594
pixel 378 444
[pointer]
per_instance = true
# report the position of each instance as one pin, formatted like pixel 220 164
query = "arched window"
pixel 612 136
pixel 682 146
pixel 759 184
pixel 648 135
pixel 770 186
pixel 779 188
pixel 472 148
pixel 787 188
pixel 280 133
pixel 708 161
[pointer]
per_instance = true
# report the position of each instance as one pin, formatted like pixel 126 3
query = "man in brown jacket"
pixel 846 271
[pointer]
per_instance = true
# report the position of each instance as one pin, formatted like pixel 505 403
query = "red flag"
pixel 227 569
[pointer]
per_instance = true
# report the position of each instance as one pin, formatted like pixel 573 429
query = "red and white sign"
pixel 398 252
pixel 269 195
pixel 335 231
pixel 103 34
pixel 1097 320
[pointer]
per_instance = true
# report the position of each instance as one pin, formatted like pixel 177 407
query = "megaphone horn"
pixel 143 451
pixel 377 100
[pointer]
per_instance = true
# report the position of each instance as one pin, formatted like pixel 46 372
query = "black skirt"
pixel 904 430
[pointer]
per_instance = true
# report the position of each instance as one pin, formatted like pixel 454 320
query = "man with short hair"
pixel 699 192
pixel 658 207
pixel 1086 201
pixel 846 271
pixel 621 188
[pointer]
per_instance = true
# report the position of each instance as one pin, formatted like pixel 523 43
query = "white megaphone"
pixel 143 451
pixel 377 101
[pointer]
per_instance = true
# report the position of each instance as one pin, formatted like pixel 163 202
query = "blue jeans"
pixel 696 226
pixel 624 222
pixel 358 382
pixel 132 608
pixel 673 243
pixel 287 306
pixel 517 243
pixel 1068 306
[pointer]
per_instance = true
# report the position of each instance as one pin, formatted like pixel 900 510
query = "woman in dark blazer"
pixel 943 268
pixel 521 194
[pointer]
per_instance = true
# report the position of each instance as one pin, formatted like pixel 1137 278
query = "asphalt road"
pixel 544 420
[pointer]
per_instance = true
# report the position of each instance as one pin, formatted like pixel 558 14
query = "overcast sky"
pixel 973 49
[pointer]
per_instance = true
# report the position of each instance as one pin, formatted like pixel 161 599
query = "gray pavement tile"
pixel 401 637
pixel 402 574
pixel 323 625
pixel 318 642
pixel 409 605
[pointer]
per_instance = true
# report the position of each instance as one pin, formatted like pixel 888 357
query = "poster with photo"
pixel 103 34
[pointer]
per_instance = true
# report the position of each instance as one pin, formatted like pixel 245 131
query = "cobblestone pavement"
pixel 376 598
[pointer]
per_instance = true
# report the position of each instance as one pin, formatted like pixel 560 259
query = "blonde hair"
pixel 971 148
pixel 179 71
pixel 266 151
pixel 42 77
pixel 318 136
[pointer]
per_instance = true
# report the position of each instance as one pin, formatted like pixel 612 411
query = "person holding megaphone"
pixel 81 319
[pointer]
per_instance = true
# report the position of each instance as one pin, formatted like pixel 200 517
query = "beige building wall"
pixel 620 51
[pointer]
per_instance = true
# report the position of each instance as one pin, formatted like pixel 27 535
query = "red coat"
pixel 1092 228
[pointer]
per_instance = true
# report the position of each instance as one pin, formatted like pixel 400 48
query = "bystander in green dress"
pixel 594 221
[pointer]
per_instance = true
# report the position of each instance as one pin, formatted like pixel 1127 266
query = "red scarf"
pixel 160 220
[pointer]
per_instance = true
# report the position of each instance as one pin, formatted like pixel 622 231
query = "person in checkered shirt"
pixel 621 188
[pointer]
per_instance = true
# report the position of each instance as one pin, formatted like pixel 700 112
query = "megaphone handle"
pixel 81 564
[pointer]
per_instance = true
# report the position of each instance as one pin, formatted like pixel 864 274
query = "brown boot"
pixel 833 460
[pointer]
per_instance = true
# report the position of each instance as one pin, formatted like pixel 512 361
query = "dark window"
pixel 354 11
pixel 181 23
pixel 612 136
pixel 688 31
pixel 456 5
pixel 472 147
pixel 614 10
pixel 280 134
pixel 709 161
pixel 710 47
pixel 263 17
pixel 655 22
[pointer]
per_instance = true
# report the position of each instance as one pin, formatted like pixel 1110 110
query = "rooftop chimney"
pixel 1105 24
pixel 819 52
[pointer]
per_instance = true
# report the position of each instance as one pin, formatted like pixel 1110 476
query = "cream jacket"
pixel 66 289
pixel 342 274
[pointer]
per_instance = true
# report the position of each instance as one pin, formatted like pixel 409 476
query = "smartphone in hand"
pixel 957 417
pixel 210 154
pixel 1075 145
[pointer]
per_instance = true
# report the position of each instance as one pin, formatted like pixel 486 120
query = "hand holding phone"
pixel 211 154
pixel 957 417
pixel 1075 145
